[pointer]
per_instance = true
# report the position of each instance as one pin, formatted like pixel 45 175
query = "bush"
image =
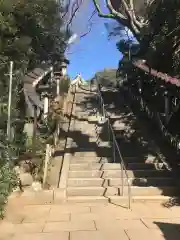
pixel 8 180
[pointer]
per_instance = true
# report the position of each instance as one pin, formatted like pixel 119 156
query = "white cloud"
pixel 73 38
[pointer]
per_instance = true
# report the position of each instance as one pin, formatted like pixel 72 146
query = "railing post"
pixel 109 136
pixel 122 179
pixel 52 75
pixel 100 107
pixel 129 195
pixel 103 111
pixel 97 109
pixel 114 151
pixel 166 106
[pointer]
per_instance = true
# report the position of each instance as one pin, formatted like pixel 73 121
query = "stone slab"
pixel 42 236
pixel 69 226
pixel 98 235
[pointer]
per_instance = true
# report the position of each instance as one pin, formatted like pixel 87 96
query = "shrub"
pixel 8 180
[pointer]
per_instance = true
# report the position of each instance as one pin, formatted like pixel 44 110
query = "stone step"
pixel 123 200
pixel 81 141
pixel 84 124
pixel 85 174
pixel 89 163
pixel 143 182
pixel 87 199
pixel 118 200
pixel 105 144
pixel 94 166
pixel 116 191
pixel 80 160
pixel 84 146
pixel 117 173
pixel 115 182
pixel 86 149
pixel 82 114
pixel 86 131
pixel 140 166
pixel 137 173
pixel 51 197
pixel 74 125
pixel 88 191
pixel 85 182
pixel 100 152
pixel 81 110
pixel 138 159
pixel 153 191
pixel 81 117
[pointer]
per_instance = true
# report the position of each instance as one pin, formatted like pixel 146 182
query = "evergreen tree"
pixel 30 32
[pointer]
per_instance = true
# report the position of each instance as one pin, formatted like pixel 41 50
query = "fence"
pixel 157 95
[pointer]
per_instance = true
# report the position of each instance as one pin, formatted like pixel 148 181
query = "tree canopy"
pixel 155 24
pixel 31 31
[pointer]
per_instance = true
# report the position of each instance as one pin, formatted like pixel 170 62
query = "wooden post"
pixel 9 102
pixel 52 74
pixel 34 130
pixel 57 86
pixel 46 107
pixel 46 164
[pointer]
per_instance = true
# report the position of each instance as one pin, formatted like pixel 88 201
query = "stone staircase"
pixel 90 173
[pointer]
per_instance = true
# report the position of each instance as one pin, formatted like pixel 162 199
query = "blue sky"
pixel 93 52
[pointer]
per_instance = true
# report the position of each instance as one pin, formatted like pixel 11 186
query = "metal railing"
pixel 117 156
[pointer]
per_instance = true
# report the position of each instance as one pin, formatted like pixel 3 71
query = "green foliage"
pixel 30 32
pixel 126 46
pixel 165 41
pixel 107 77
pixel 156 26
pixel 8 180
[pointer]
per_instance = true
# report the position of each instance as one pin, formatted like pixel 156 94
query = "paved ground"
pixel 90 221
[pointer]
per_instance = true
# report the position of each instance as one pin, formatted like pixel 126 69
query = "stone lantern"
pixel 60 71
pixel 45 93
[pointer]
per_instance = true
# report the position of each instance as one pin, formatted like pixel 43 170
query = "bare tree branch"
pixel 100 14
pixel 74 9
pixel 89 25
pixel 126 19
pixel 124 12
pixel 132 10
pixel 67 7
pixel 129 13
pixel 114 12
